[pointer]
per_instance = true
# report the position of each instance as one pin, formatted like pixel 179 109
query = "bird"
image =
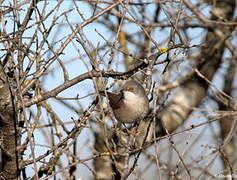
pixel 131 104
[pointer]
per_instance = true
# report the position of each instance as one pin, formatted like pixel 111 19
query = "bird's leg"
pixel 133 130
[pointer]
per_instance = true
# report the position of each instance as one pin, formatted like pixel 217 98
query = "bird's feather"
pixel 114 99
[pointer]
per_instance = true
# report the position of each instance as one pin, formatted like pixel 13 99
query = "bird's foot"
pixel 132 132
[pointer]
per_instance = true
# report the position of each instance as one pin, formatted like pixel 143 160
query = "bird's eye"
pixel 131 89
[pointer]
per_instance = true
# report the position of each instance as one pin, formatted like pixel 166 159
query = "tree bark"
pixel 8 134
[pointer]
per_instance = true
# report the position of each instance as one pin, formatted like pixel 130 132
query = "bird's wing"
pixel 115 99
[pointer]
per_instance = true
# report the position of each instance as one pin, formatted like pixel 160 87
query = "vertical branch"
pixel 228 122
pixel 8 131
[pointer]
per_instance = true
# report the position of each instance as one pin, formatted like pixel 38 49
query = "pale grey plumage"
pixel 131 104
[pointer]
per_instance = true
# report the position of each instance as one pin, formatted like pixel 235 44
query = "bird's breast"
pixel 134 108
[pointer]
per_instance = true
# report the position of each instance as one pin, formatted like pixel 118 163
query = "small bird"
pixel 131 104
